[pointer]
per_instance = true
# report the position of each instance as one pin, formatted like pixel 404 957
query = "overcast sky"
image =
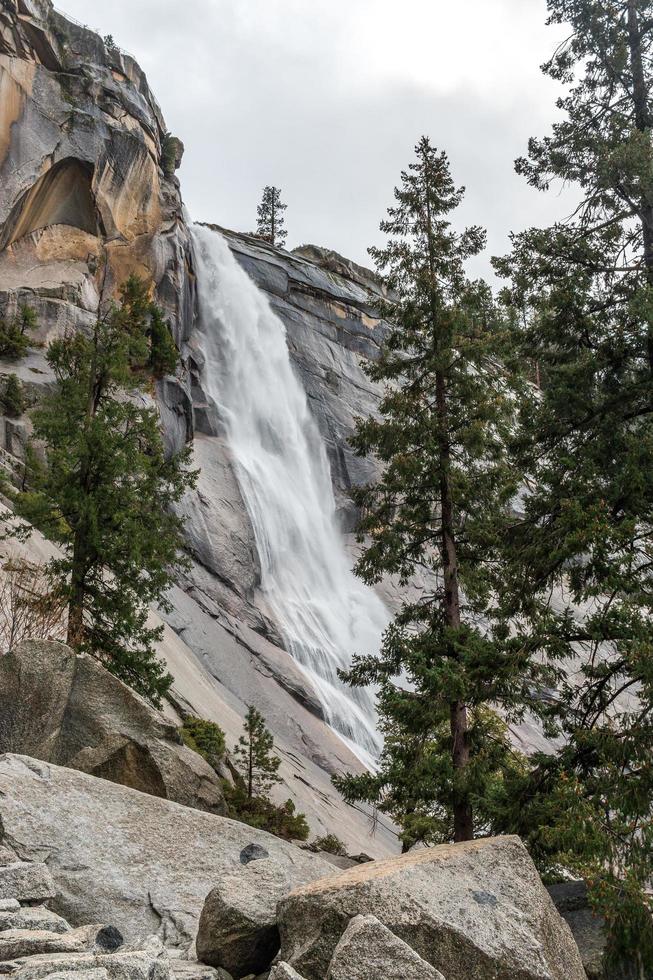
pixel 326 99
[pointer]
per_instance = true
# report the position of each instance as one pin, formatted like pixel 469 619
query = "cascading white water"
pixel 325 614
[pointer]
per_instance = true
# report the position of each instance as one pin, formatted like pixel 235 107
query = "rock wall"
pixel 85 198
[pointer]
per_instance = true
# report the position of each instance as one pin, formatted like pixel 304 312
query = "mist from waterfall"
pixel 323 611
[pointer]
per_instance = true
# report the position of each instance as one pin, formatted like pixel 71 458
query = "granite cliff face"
pixel 88 196
pixel 88 192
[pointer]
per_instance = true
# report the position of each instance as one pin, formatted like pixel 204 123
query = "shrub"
pixel 31 607
pixel 206 738
pixel 331 844
pixel 172 150
pixel 14 333
pixel 13 398
pixel 261 813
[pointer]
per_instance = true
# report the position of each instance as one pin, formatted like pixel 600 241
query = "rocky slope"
pixel 149 871
pixel 68 709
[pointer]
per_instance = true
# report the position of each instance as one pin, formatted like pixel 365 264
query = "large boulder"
pixel 470 910
pixel 238 926
pixel 68 709
pixel 368 950
pixel 27 942
pixel 116 855
pixel 37 917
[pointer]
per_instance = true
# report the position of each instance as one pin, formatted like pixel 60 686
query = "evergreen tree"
pixel 13 398
pixel 585 288
pixel 163 353
pixel 254 758
pixel 270 224
pixel 106 491
pixel 440 507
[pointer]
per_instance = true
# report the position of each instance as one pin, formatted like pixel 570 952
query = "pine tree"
pixel 106 491
pixel 585 288
pixel 440 507
pixel 270 224
pixel 254 758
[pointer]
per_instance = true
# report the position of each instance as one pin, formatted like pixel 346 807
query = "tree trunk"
pixel 643 124
pixel 462 811
pixel 80 559
pixel 75 633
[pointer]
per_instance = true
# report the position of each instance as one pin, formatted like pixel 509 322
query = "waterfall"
pixel 325 614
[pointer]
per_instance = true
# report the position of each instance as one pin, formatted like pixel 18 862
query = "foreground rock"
pixel 192 970
pixel 238 928
pixel 470 910
pixel 68 709
pixel 282 971
pixel 26 942
pixel 36 943
pixel 147 963
pixel 32 918
pixel 25 882
pixel 143 864
pixel 369 950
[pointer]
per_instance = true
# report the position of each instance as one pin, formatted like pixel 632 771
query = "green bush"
pixel 172 150
pixel 13 397
pixel 259 812
pixel 14 334
pixel 206 738
pixel 331 844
